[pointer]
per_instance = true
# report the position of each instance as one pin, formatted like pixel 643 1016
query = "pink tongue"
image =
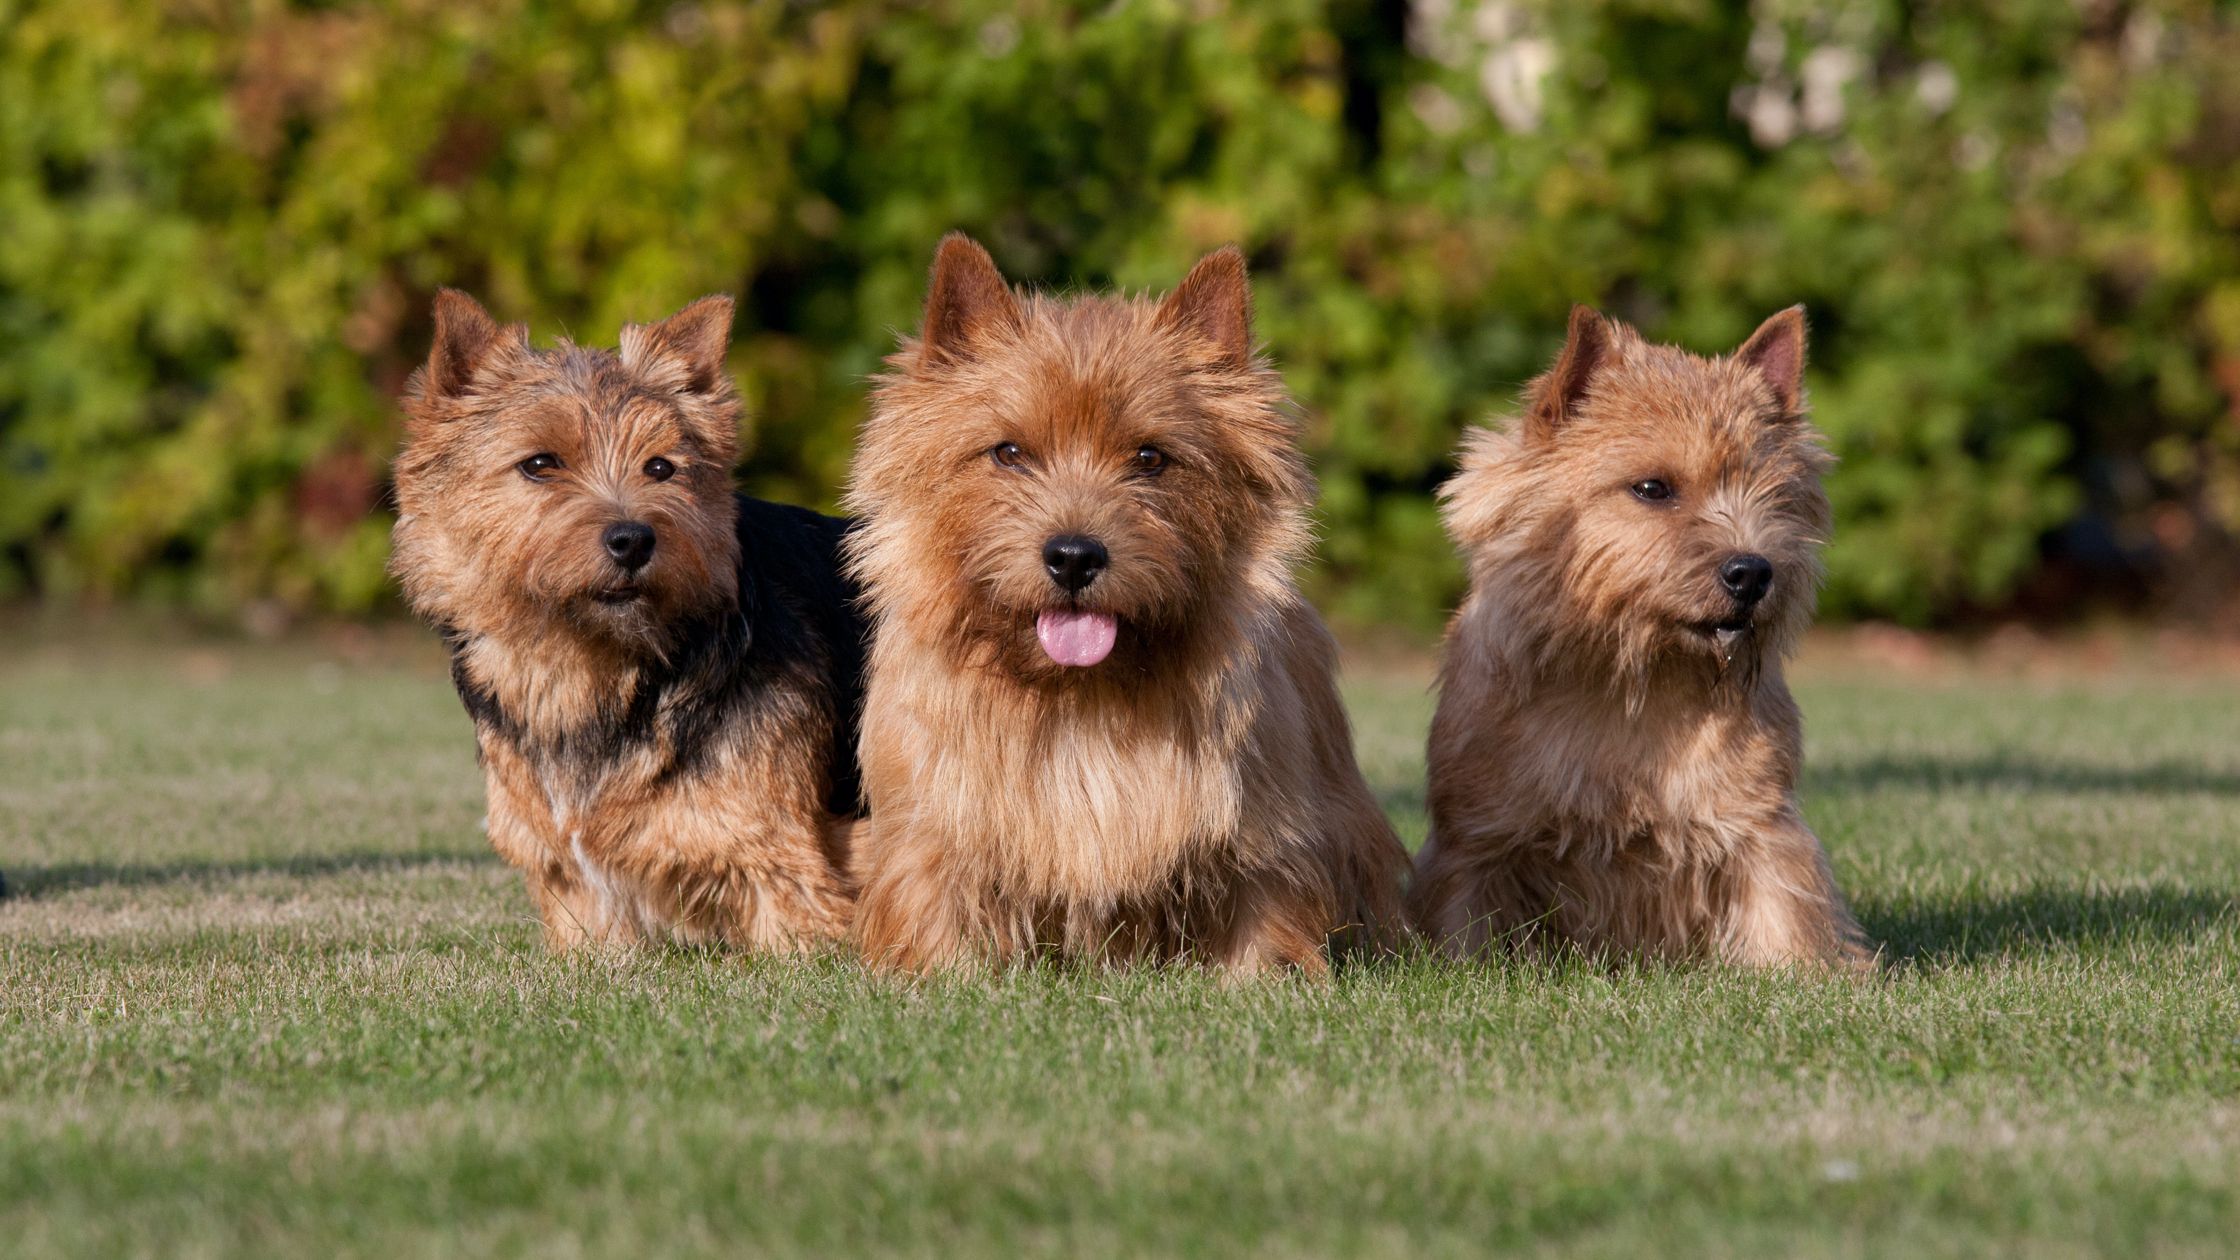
pixel 1076 638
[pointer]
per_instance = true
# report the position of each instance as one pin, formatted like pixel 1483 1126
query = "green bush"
pixel 2014 224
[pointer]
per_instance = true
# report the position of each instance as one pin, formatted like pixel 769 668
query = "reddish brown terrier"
pixel 1614 758
pixel 1101 721
pixel 663 676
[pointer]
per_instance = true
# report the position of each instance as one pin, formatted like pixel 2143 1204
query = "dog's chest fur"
pixel 591 757
pixel 1073 803
pixel 1671 781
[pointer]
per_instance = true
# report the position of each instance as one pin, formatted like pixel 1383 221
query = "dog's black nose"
pixel 1073 560
pixel 630 543
pixel 1747 578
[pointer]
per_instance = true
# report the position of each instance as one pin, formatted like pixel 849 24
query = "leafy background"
pixel 2014 222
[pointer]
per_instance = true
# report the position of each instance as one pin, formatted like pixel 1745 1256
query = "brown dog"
pixel 663 676
pixel 1101 720
pixel 1614 760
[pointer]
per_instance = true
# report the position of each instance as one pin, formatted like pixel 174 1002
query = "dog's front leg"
pixel 1782 909
pixel 518 823
pixel 1275 923
pixel 910 913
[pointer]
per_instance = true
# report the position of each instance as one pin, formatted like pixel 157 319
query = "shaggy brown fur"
pixel 1186 788
pixel 665 734
pixel 1614 760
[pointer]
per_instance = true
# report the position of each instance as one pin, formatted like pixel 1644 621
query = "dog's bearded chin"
pixel 1076 639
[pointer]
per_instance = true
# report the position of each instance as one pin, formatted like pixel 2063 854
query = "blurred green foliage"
pixel 2014 222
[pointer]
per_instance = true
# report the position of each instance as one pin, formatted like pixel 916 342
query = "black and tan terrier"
pixel 1614 758
pixel 663 676
pixel 1101 720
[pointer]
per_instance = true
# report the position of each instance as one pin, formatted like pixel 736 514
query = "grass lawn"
pixel 264 992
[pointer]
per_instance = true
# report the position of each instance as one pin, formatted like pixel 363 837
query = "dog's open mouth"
pixel 1075 637
pixel 1726 635
pixel 621 594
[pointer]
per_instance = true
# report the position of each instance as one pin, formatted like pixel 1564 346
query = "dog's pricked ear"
pixel 1776 350
pixel 967 297
pixel 1554 397
pixel 465 337
pixel 691 342
pixel 1215 302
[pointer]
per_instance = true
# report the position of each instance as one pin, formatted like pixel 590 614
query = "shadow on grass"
pixel 2028 774
pixel 1961 930
pixel 26 882
pixel 1985 773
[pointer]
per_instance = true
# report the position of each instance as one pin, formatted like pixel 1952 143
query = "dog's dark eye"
pixel 1652 490
pixel 536 466
pixel 1150 460
pixel 660 469
pixel 1008 454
